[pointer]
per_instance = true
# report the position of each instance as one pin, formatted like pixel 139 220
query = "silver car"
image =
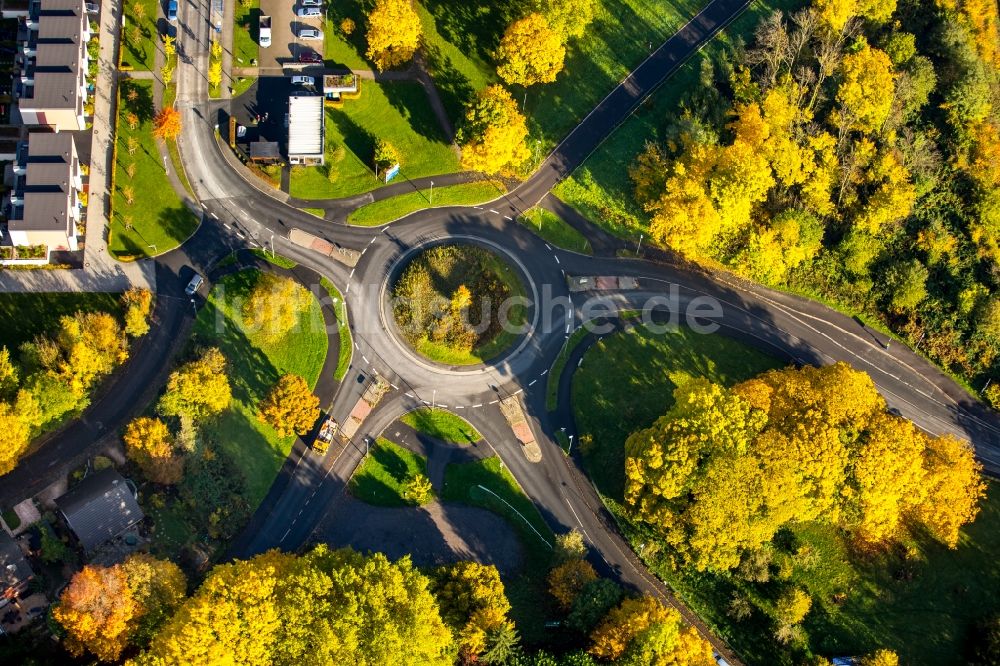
pixel 308 12
pixel 310 33
pixel 312 3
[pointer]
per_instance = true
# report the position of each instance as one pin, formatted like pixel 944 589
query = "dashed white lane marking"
pixel 520 390
pixel 425 402
pixel 240 234
pixel 476 406
pixel 548 247
pixel 364 250
pixel 348 290
pixel 442 405
pixel 493 402
pixel 372 240
pixel 459 407
pixel 567 327
pixel 508 218
pixel 557 258
pixel 545 372
pixel 532 382
pixel 394 387
pixel 214 216
pixel 478 207
pixel 356 346
pixel 579 363
pixel 287 532
pixel 227 226
pixel 495 212
pixel 365 359
pixel 409 395
pixel 352 273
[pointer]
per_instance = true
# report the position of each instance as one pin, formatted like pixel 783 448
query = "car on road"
pixel 308 12
pixel 172 11
pixel 301 80
pixel 310 56
pixel 92 7
pixel 310 33
pixel 312 3
pixel 194 285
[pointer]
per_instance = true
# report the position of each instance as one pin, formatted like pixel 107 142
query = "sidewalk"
pixel 101 271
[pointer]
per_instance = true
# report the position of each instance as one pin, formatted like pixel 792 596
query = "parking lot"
pixel 285 44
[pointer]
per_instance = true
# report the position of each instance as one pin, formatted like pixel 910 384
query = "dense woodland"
pixel 850 152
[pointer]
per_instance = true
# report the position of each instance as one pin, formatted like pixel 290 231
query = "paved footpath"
pixel 101 271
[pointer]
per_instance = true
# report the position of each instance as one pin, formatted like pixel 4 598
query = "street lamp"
pixel 570 449
pixel 272 244
pixel 194 307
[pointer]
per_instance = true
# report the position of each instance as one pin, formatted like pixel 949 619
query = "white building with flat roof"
pixel 306 129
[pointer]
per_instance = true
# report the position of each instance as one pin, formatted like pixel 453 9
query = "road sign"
pixel 391 172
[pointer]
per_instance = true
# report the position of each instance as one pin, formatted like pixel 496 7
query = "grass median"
pixel 346 350
pixel 389 210
pixel 555 230
pixel 442 424
pixel 381 479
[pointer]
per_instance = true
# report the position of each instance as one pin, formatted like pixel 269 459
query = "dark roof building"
pixel 15 572
pixel 100 508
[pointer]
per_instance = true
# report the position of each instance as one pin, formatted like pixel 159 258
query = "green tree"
pixel 906 285
pixel 567 580
pixel 501 644
pixel 530 52
pixel 290 407
pixel 9 374
pixel 569 546
pixel 595 600
pixel 492 136
pixel 198 389
pixel 385 155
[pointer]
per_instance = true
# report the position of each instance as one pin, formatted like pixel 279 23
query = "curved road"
pixel 237 214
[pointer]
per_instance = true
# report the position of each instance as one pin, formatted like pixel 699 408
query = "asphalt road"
pixel 237 214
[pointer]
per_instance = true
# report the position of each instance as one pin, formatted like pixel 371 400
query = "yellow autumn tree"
pixel 530 52
pixel 569 18
pixel 493 134
pixel 835 14
pixel 290 406
pixel 322 607
pixel 104 609
pixel 953 486
pixel 150 445
pixel 866 90
pixel 472 601
pixel 15 434
pixel 198 389
pixel 92 344
pixel 394 32
pixel 568 579
pixel 879 658
pixel 275 306
pixel 647 632
pixel 138 302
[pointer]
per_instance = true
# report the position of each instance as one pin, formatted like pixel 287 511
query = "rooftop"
pixel 14 567
pixel 54 90
pixel 100 508
pixel 305 125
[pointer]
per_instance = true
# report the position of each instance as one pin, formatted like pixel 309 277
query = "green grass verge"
pixel 381 478
pixel 26 315
pixel 245 31
pixel 276 259
pixel 504 496
pixel 254 366
pixel 141 53
pixel 159 220
pixel 442 424
pixel 318 212
pixel 346 350
pixel 627 380
pixel 555 230
pixel 552 386
pixel 178 166
pixel 398 112
pixel 9 517
pixel 389 210
pixel 601 188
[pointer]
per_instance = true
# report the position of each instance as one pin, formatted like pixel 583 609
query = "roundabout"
pixel 459 306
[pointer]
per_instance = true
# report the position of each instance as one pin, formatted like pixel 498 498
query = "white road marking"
pixel 548 247
pixel 352 273
pixel 226 226
pixel 409 395
pixel 214 216
pixel 567 328
pixel 365 359
pixel 394 387
pixel 557 258
pixel 479 405
pixel 356 346
pixel 348 290
pixel 520 390
pixel 285 535
pixel 459 407
pixel 442 405
pixel 425 402
pixel 532 382
pixel 495 212
pixel 545 372
pixel 493 402
pixel 508 218
pixel 580 362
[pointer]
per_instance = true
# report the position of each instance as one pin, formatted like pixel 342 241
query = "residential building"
pixel 306 129
pixel 52 89
pixel 100 508
pixel 44 206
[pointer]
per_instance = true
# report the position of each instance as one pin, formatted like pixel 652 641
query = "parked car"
pixel 301 80
pixel 194 285
pixel 310 33
pixel 310 56
pixel 92 7
pixel 172 11
pixel 312 3
pixel 308 12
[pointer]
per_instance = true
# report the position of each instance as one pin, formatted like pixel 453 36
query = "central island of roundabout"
pixel 457 304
